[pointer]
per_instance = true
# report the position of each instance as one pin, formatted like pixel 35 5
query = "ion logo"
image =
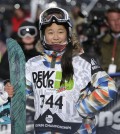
pixel 109 118
pixel 49 119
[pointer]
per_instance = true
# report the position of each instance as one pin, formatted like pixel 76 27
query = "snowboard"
pixel 17 79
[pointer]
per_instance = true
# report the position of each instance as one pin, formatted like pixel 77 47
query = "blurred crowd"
pixel 99 36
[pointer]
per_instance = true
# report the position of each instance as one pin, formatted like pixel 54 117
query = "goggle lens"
pixel 58 14
pixel 49 16
pixel 23 31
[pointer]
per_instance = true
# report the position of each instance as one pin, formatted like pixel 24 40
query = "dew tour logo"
pixel 43 79
pixel 51 80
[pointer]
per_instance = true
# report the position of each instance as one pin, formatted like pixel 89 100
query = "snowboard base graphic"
pixel 17 78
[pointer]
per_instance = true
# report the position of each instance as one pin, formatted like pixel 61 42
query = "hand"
pixel 9 89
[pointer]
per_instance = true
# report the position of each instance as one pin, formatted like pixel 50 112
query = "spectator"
pixel 28 37
pixel 27 40
pixel 77 17
pixel 110 42
pixel 19 15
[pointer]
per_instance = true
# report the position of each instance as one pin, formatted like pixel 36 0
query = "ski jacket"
pixel 63 108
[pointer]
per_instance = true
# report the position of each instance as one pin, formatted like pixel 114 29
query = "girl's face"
pixel 28 40
pixel 55 34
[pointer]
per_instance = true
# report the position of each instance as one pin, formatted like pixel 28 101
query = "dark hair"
pixel 112 10
pixel 27 23
pixel 72 49
pixel 66 64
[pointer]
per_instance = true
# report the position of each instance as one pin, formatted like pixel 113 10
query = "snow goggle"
pixel 27 31
pixel 54 15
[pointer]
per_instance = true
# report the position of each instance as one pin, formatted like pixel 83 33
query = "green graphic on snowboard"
pixel 17 78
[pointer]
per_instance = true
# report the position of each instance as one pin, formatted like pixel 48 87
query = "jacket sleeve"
pixel 28 79
pixel 104 92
